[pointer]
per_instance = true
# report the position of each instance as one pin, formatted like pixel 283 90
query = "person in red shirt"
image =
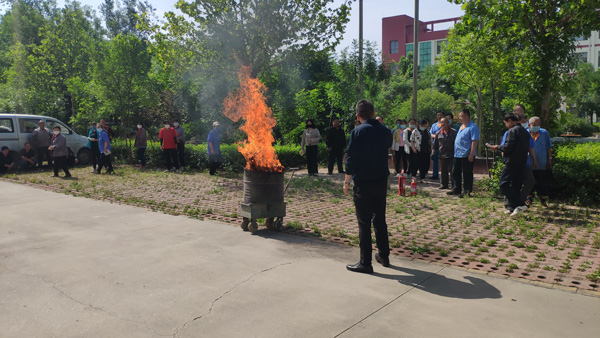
pixel 168 144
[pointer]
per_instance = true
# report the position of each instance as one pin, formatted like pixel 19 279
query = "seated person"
pixel 28 160
pixel 6 162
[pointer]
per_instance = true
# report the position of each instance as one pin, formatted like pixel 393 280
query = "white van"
pixel 16 129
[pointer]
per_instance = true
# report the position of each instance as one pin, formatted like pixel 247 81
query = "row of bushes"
pixel 575 174
pixel 196 155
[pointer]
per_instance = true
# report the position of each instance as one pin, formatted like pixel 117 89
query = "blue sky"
pixel 374 11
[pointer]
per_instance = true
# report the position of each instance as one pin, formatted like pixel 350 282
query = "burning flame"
pixel 249 103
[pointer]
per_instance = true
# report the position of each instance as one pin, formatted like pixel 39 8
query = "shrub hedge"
pixel 196 155
pixel 577 173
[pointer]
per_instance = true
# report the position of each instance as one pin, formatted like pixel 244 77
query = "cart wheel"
pixel 245 223
pixel 278 223
pixel 253 226
pixel 269 223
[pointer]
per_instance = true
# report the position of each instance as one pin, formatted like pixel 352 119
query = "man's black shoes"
pixel 453 192
pixel 359 267
pixel 383 261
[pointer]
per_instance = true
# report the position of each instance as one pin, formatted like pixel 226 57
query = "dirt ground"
pixel 555 245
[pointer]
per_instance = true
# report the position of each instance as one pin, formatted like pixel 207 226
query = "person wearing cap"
pixel 514 153
pixel 6 162
pixel 214 148
pixel 180 143
pixel 41 141
pixel 59 152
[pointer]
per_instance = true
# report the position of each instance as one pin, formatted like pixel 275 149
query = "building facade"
pixel 588 48
pixel 398 40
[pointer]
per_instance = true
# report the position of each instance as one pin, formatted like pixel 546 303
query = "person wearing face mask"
pixel 453 124
pixel 105 149
pixel 527 178
pixel 424 157
pixel 400 157
pixel 514 153
pixel 141 144
pixel 309 144
pixel 444 143
pixel 93 145
pixel 410 149
pixel 168 144
pixel 543 156
pixel 59 152
pixel 180 143
pixel 435 128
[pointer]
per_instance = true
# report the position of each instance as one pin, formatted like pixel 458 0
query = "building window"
pixel 440 45
pixel 424 54
pixel 582 56
pixel 598 59
pixel 582 38
pixel 409 48
pixel 394 47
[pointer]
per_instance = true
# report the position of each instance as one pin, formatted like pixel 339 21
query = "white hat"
pixel 216 124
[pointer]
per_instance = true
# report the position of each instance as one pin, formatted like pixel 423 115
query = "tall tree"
pixel 67 51
pixel 543 32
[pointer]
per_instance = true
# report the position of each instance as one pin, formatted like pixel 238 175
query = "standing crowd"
pixel 525 147
pixel 42 145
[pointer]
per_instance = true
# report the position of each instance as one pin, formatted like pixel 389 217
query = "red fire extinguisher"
pixel 413 187
pixel 401 182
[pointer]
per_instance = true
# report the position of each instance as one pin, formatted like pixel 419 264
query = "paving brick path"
pixel 558 245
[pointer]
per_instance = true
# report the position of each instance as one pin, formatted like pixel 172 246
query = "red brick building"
pixel 397 38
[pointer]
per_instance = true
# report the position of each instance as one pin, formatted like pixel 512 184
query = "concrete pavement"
pixel 76 267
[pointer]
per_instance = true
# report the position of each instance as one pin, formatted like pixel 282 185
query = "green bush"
pixel 492 185
pixel 575 125
pixel 196 155
pixel 577 173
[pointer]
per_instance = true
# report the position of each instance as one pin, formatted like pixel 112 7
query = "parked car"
pixel 16 129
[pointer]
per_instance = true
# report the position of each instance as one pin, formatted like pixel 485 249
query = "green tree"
pixel 541 35
pixel 583 95
pixel 429 102
pixel 127 90
pixel 67 51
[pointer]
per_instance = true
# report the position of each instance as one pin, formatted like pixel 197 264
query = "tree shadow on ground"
pixel 473 288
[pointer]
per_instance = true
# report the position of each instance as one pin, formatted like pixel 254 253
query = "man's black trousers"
pixel 510 184
pixel 336 155
pixel 369 200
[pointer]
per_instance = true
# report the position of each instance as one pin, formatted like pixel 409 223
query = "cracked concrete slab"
pixel 95 269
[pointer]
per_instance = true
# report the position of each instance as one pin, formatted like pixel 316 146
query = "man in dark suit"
pixel 514 151
pixel 367 166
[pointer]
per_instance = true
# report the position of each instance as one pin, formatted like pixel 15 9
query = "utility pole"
pixel 360 49
pixel 415 59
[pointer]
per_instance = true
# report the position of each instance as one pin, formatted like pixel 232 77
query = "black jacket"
pixel 335 138
pixel 515 148
pixel 367 154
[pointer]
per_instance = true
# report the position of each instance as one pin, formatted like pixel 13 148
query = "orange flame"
pixel 249 103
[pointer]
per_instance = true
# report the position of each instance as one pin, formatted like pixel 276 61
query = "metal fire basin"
pixel 263 198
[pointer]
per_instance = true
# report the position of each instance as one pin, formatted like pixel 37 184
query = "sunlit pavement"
pixel 76 267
